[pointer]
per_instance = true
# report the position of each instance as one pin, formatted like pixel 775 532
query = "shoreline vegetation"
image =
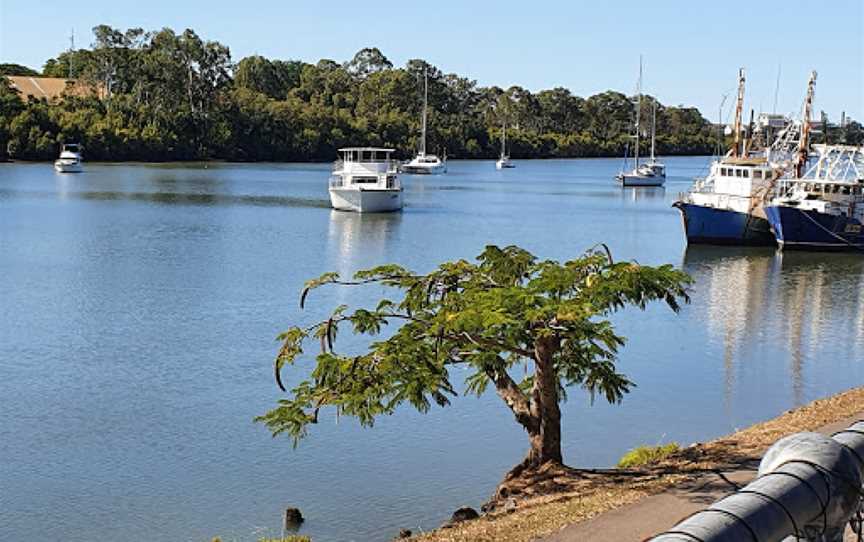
pixel 562 496
pixel 164 96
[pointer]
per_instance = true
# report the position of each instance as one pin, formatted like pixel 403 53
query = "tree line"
pixel 169 96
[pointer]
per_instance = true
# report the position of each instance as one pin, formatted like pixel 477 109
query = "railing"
pixel 809 487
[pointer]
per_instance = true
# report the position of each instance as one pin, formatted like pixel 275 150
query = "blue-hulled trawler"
pixel 824 209
pixel 726 207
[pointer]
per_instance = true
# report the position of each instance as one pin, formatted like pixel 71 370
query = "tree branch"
pixel 509 391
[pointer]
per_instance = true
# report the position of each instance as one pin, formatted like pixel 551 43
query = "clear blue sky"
pixel 692 49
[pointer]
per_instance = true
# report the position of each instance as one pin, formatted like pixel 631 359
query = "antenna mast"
pixel 776 89
pixel 71 50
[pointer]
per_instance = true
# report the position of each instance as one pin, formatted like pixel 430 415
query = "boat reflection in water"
pixel 358 240
pixel 766 308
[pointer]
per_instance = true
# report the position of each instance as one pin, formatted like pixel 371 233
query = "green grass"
pixel 646 455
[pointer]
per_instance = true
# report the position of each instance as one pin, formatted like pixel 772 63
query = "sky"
pixel 692 49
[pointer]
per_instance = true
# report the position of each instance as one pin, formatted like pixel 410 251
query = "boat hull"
pixel 638 180
pixel 366 201
pixel 67 167
pixel 712 226
pixel 423 170
pixel 799 229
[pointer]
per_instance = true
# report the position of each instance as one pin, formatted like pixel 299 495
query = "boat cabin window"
pixel 757 174
pixel 365 180
pixel 357 155
pixel 723 171
pixel 745 172
pixel 737 172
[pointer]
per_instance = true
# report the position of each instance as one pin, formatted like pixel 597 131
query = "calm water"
pixel 139 305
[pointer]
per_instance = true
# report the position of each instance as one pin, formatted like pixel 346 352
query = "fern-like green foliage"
pixel 487 315
pixel 647 455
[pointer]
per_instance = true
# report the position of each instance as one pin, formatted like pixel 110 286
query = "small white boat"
pixel 504 160
pixel 365 180
pixel 651 173
pixel 425 164
pixel 70 159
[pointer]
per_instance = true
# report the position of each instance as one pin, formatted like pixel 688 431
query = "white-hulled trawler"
pixel 70 159
pixel 727 206
pixel 425 164
pixel 365 180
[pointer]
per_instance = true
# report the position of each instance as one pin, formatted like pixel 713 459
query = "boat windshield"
pixel 366 155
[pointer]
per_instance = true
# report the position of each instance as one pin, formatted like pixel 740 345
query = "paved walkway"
pixel 647 517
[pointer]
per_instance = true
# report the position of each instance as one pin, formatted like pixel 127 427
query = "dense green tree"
pixel 366 62
pixel 170 96
pixel 494 317
pixel 16 69
pixel 275 78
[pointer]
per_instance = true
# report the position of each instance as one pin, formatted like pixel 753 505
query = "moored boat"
pixel 503 161
pixel 70 159
pixel 365 180
pixel 727 206
pixel 824 209
pixel 651 173
pixel 423 163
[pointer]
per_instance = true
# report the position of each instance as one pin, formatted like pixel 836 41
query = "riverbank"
pixel 570 496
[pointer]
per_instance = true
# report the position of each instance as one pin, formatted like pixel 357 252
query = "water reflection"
pixel 762 303
pixel 357 238
pixel 639 193
pixel 66 192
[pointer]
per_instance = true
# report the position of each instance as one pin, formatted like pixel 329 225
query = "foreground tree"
pixel 507 310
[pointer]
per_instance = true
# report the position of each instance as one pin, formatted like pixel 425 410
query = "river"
pixel 139 306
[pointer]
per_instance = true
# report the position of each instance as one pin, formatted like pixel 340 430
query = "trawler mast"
pixel 804 141
pixel 739 107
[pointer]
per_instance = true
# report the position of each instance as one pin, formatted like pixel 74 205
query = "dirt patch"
pixel 543 501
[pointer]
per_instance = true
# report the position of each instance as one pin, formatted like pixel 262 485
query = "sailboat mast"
pixel 503 138
pixel 638 114
pixel 739 106
pixel 653 127
pixel 804 142
pixel 425 103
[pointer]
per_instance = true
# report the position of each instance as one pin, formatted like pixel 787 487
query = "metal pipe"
pixel 808 488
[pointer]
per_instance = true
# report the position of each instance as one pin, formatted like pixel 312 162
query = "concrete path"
pixel 652 515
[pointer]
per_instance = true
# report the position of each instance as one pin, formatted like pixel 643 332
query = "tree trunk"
pixel 547 446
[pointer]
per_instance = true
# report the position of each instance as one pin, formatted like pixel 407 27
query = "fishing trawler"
pixel 70 159
pixel 651 173
pixel 422 163
pixel 726 207
pixel 824 209
pixel 365 180
pixel 504 160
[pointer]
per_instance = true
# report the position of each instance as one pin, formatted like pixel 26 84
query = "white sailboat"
pixel 70 159
pixel 425 164
pixel 651 173
pixel 653 164
pixel 365 180
pixel 504 161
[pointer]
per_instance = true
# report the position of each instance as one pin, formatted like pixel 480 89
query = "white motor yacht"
pixel 70 159
pixel 365 180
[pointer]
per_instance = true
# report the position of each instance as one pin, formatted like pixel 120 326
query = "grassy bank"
pixel 565 496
